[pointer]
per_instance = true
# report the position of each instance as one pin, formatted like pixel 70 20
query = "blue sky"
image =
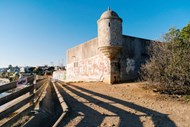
pixel 38 32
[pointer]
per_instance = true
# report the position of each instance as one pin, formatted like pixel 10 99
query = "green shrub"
pixel 169 63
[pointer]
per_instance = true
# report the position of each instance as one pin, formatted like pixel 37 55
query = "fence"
pixel 18 102
pixel 63 105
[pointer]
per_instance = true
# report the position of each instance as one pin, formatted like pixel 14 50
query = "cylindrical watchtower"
pixel 110 33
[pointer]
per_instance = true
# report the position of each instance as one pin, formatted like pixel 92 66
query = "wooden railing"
pixel 62 103
pixel 20 101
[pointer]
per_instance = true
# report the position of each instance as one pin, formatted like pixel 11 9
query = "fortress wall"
pixel 86 63
pixel 110 64
pixel 82 51
pixel 134 54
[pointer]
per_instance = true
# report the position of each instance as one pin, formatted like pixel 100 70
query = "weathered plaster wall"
pixel 82 51
pixel 110 32
pixel 86 63
pixel 59 75
pixel 134 54
pixel 111 57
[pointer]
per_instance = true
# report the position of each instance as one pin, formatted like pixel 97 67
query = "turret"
pixel 110 34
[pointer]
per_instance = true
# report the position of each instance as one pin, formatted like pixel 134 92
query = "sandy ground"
pixel 4 81
pixel 121 105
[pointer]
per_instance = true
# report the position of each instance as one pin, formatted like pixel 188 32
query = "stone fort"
pixel 111 57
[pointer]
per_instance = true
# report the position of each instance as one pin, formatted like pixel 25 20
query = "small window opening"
pixel 109 24
pixel 75 64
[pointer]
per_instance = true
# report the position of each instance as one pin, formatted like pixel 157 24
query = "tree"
pixel 169 65
pixel 10 67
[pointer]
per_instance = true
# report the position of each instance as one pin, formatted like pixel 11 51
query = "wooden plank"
pixel 22 112
pixel 16 94
pixel 65 108
pixel 12 85
pixel 39 84
pixel 30 79
pixel 39 91
pixel 8 86
pixel 16 106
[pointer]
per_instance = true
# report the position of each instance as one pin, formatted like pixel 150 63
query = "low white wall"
pixel 60 75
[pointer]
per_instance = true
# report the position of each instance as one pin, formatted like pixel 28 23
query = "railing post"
pixel 32 91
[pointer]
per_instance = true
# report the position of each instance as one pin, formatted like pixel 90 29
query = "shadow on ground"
pixel 93 118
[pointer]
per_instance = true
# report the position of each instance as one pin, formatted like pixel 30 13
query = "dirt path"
pixel 122 105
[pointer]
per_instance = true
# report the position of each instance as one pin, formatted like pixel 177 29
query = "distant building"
pixel 2 70
pixel 111 57
pixel 14 69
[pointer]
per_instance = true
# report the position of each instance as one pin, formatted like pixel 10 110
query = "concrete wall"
pixel 59 75
pixel 110 32
pixel 134 54
pixel 86 63
pixel 82 51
